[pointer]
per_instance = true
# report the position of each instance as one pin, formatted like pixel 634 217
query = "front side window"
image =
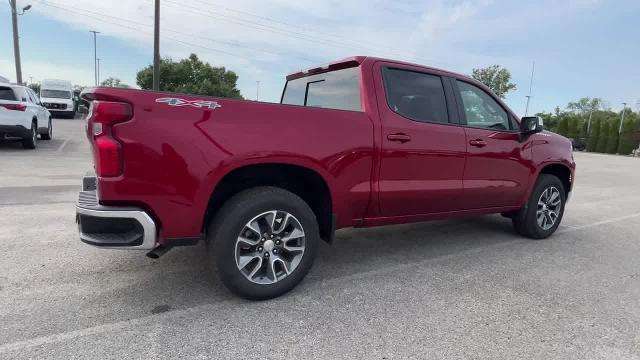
pixel 58 94
pixel 417 96
pixel 339 89
pixel 481 110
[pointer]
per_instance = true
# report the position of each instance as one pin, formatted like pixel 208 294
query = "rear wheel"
pixel 542 214
pixel 31 141
pixel 49 133
pixel 263 241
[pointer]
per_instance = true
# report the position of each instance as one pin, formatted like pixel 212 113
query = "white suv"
pixel 22 116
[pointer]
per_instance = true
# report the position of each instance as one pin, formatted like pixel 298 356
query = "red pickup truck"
pixel 359 142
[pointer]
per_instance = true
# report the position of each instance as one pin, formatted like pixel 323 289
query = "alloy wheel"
pixel 549 206
pixel 270 247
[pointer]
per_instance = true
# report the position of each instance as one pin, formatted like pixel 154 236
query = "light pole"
pixel 16 41
pixel 624 108
pixel 257 90
pixel 95 57
pixel 156 47
pixel 98 72
pixel 589 122
pixel 533 67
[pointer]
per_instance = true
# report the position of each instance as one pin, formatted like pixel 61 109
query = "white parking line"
pixel 63 145
pixel 99 329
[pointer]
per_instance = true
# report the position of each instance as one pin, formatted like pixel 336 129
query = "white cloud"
pixel 263 40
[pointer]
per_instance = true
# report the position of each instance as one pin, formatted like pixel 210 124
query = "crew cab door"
pixel 498 166
pixel 423 148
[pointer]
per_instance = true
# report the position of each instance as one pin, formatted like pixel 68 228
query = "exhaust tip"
pixel 157 252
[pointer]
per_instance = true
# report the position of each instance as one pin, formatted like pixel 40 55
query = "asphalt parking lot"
pixel 458 289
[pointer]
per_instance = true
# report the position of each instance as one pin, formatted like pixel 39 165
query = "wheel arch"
pixel 561 171
pixel 308 183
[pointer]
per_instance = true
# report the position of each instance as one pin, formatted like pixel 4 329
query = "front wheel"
pixel 542 214
pixel 263 241
pixel 49 134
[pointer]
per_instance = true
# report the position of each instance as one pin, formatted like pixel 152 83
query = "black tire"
pixel 72 115
pixel 31 141
pixel 49 133
pixel 525 221
pixel 230 221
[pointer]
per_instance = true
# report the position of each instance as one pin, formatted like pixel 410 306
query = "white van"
pixel 57 96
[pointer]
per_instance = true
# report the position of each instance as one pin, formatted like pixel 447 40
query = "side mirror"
pixel 531 125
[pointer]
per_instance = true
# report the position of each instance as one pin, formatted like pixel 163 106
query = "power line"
pixel 260 26
pixel 99 17
pixel 305 29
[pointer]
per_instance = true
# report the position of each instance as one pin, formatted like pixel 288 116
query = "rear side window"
pixel 6 93
pixel 338 89
pixel 417 96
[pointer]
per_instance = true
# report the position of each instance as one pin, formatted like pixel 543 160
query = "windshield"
pixel 338 89
pixel 58 94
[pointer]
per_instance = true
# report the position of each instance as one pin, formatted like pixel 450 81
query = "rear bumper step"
pixel 112 227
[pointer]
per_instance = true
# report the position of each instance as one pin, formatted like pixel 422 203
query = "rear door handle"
pixel 403 138
pixel 477 143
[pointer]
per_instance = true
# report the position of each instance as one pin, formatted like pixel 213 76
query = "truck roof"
pixel 355 61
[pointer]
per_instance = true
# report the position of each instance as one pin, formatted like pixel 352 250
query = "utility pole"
pixel 533 67
pixel 98 72
pixel 95 57
pixel 16 41
pixel 257 90
pixel 589 122
pixel 624 108
pixel 156 47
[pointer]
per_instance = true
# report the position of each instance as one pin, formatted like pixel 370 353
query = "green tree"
pixel 585 105
pixel 612 139
pixel 35 87
pixel 572 131
pixel 114 82
pixel 602 139
pixel 495 78
pixel 550 121
pixel 191 76
pixel 563 126
pixel 627 138
pixel 583 130
pixel 594 136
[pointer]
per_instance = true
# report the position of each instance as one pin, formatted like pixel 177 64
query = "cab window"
pixel 415 95
pixel 481 110
pixel 339 89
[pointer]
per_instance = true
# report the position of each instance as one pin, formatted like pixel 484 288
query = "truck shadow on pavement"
pixel 354 252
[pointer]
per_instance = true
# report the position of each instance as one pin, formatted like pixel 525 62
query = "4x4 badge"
pixel 194 103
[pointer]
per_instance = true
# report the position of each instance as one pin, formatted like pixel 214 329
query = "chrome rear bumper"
pixel 110 227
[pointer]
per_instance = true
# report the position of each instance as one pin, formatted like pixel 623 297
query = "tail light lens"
pixel 16 107
pixel 107 150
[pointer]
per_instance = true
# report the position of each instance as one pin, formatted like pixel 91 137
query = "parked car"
pixel 579 144
pixel 359 142
pixel 57 96
pixel 22 116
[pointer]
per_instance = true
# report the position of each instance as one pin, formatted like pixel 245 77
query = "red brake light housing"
pixel 16 107
pixel 107 151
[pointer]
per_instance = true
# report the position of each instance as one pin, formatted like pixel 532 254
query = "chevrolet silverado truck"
pixel 359 142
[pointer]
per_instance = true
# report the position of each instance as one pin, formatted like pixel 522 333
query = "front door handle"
pixel 477 143
pixel 403 138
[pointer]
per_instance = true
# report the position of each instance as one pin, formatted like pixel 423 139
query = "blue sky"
pixel 581 47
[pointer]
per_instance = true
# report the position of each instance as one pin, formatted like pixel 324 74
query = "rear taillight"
pixel 16 107
pixel 107 149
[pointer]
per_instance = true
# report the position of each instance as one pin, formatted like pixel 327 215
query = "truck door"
pixel 423 148
pixel 498 164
